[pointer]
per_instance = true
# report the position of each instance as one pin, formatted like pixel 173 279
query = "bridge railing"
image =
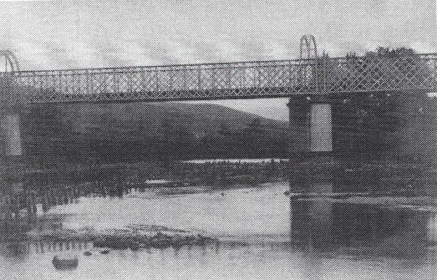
pixel 223 80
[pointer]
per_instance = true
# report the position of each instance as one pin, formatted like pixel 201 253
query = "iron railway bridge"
pixel 311 74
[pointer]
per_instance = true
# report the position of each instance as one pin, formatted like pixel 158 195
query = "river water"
pixel 263 234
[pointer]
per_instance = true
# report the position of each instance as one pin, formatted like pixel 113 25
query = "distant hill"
pixel 149 131
pixel 198 118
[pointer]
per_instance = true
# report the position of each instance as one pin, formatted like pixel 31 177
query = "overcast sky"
pixel 55 35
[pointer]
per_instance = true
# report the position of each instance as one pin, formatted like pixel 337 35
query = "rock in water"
pixel 65 262
pixel 160 241
pixel 87 253
pixel 134 246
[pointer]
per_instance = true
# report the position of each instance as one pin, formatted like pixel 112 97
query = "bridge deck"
pixel 262 79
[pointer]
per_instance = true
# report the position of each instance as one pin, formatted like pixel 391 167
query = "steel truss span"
pixel 239 80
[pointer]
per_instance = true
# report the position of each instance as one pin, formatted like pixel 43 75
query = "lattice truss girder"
pixel 415 72
pixel 219 81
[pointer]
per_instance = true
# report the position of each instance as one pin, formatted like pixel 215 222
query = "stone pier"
pixel 310 125
pixel 11 151
pixel 310 140
pixel 10 125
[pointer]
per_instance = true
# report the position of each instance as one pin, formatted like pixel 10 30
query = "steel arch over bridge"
pixel 260 79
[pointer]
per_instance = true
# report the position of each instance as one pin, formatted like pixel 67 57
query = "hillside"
pixel 148 131
pixel 198 118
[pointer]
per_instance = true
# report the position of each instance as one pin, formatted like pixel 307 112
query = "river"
pixel 263 234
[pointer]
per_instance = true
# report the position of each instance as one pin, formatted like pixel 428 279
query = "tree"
pixel 255 127
pixel 254 139
pixel 382 69
pixel 45 134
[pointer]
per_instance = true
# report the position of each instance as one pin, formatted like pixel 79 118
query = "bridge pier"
pixel 11 152
pixel 310 140
pixel 310 122
pixel 10 124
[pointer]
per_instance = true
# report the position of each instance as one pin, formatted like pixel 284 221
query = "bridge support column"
pixel 310 140
pixel 310 125
pixel 10 125
pixel 321 127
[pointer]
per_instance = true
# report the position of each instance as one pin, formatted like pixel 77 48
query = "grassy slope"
pixel 147 118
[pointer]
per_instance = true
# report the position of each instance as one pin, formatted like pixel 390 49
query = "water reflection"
pixel 359 229
pixel 55 188
pixel 26 196
pixel 19 249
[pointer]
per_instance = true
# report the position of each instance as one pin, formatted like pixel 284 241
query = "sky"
pixel 102 33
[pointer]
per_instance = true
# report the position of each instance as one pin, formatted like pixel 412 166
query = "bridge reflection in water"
pixel 322 227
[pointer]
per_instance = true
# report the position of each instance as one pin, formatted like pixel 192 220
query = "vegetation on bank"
pixel 157 174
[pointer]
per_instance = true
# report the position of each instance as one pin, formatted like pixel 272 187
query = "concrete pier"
pixel 321 128
pixel 310 121
pixel 10 124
